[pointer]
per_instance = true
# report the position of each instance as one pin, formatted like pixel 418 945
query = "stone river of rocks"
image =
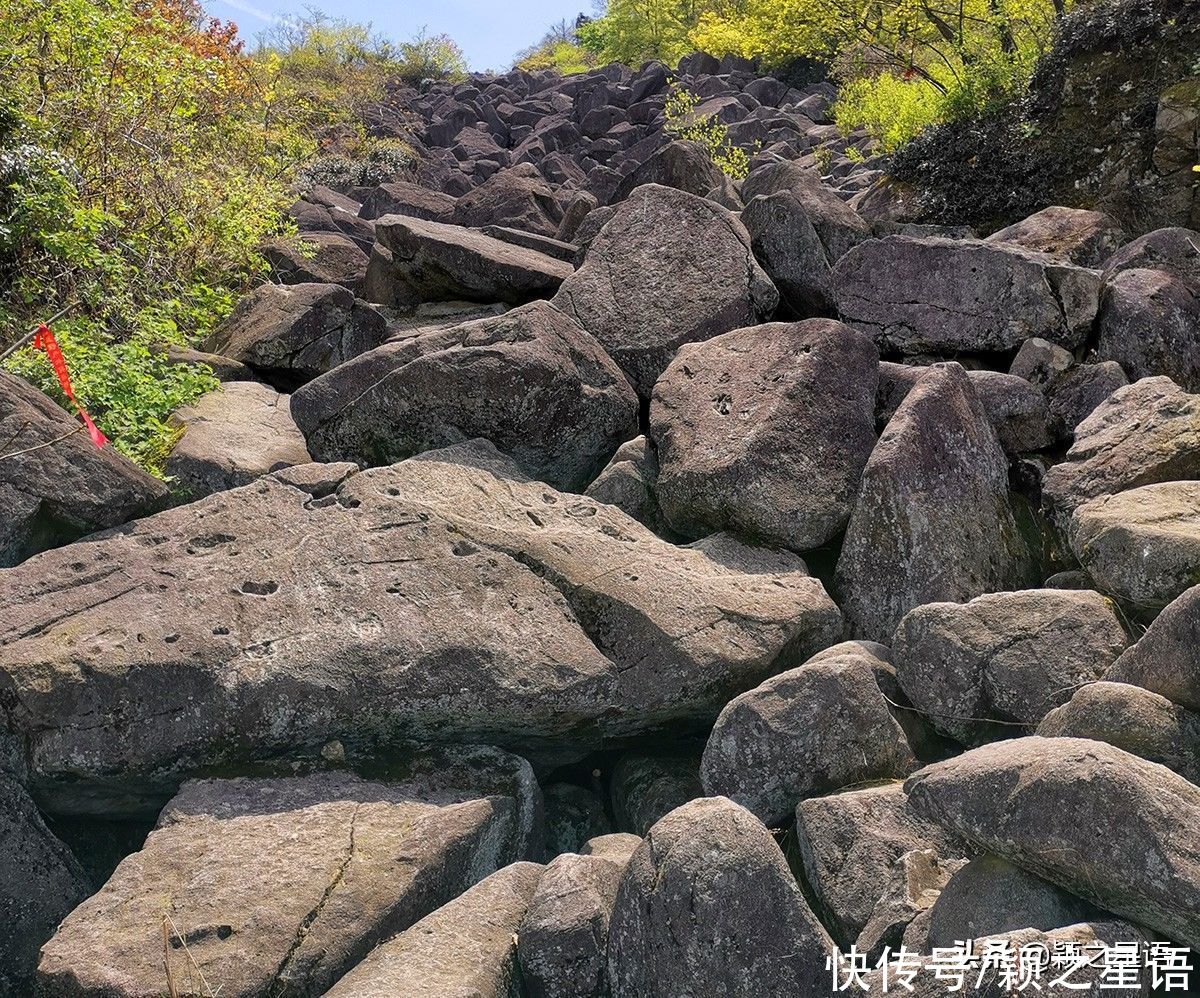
pixel 597 577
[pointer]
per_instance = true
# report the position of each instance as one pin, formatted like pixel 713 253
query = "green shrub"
pixel 683 122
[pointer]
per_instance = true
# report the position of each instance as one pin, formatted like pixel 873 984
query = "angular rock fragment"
pixel 707 905
pixel 290 334
pixel 980 668
pixel 939 295
pixel 518 197
pixel 807 732
pixel 628 483
pixel 1149 323
pixel 407 199
pixel 465 949
pixel 765 431
pixel 667 268
pixel 317 257
pixel 683 166
pixel 531 381
pixel 1109 827
pixel 55 484
pixel 933 520
pixel 1166 659
pixel 1084 238
pixel 280 884
pixel 231 437
pixel 417 261
pixel 914 883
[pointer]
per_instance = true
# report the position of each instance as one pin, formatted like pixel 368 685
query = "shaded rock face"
pixel 55 484
pixel 948 295
pixel 914 883
pixel 644 787
pixel 1046 804
pixel 417 261
pixel 464 949
pixel 765 431
pixel 1142 434
pixel 413 200
pixel 282 884
pixel 807 732
pixel 933 521
pixel 1166 659
pixel 848 844
pixel 574 815
pixel 1150 324
pixel 985 669
pixel 40 882
pixel 531 381
pixel 563 940
pixel 1143 545
pixel 667 268
pixel 707 905
pixel 628 482
pixel 684 166
pixel 1133 719
pixel 232 437
pixel 445 600
pixel 290 334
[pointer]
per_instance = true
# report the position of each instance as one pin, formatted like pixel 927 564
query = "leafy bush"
pixel 558 51
pixel 378 161
pixel 683 122
pixel 430 57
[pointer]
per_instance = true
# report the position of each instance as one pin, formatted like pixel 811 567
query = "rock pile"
pixel 782 577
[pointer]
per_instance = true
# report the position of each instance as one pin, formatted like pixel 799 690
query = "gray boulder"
pixel 985 669
pixel 765 431
pixel 1105 825
pixel 465 949
pixel 447 598
pixel 667 268
pixel 531 381
pixel 849 843
pixel 417 261
pixel 518 198
pixel 402 198
pixel 1175 250
pixel 810 731
pixel 684 166
pixel 317 257
pixel 945 295
pixel 1131 718
pixel 563 941
pixel 292 334
pixel 55 484
pixel 932 521
pixel 267 885
pixel 1141 546
pixel 1166 659
pixel 1149 323
pixel 1144 433
pixel 1074 396
pixel 645 786
pixel 628 480
pixel 1084 238
pixel 231 437
pixel 707 905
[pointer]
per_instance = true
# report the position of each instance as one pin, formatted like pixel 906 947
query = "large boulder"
pixel 807 732
pixel 1109 827
pixel 1142 434
pixel 1149 323
pixel 55 484
pixel 1174 250
pixel 765 431
pixel 1166 659
pixel 518 198
pixel 231 437
pixel 949 295
pixel 267 885
pixel 446 597
pixel 317 257
pixel 1133 719
pixel 563 941
pixel 531 381
pixel 402 198
pixel 667 268
pixel 417 261
pixel 1143 545
pixel 290 334
pixel 981 670
pixel 465 949
pixel 1084 238
pixel 684 166
pixel 40 882
pixel 798 235
pixel 933 520
pixel 848 844
pixel 708 905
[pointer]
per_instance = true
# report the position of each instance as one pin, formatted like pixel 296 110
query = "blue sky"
pixel 489 31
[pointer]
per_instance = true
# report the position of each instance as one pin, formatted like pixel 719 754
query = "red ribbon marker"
pixel 44 340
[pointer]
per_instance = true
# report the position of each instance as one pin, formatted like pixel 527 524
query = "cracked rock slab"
pixel 465 949
pixel 272 886
pixel 943 295
pixel 445 598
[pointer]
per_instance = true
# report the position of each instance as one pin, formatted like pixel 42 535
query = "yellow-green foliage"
pixel 632 31
pixel 683 122
pixel 559 55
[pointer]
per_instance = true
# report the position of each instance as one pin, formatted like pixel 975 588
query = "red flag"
pixel 44 340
